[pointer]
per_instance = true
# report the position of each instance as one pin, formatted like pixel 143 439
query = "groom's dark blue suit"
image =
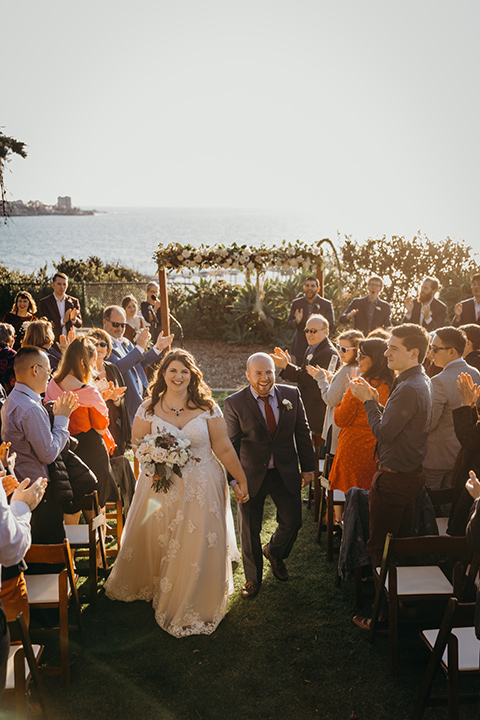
pixel 290 446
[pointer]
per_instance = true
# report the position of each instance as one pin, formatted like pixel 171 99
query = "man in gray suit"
pixel 447 347
pixel 267 426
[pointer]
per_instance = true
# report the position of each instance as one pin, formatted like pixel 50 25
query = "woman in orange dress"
pixel 354 463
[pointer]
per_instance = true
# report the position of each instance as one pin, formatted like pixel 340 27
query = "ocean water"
pixel 131 235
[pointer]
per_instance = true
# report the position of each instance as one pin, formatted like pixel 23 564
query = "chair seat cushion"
pixel 43 588
pixel 10 681
pixel 442 523
pixel 77 534
pixel 421 580
pixel 467 647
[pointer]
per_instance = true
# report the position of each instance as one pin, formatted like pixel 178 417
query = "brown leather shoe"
pixel 363 623
pixel 250 589
pixel 278 566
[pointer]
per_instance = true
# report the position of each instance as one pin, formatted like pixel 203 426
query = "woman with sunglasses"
pixel 354 464
pixel 333 388
pixel 23 310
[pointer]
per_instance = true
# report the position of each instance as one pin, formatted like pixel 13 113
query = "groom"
pixel 267 426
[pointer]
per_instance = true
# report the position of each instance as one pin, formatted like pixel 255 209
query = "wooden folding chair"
pixel 324 486
pixel 414 582
pixel 454 647
pixel 54 590
pixel 22 668
pixel 85 538
pixel 114 519
pixel 439 499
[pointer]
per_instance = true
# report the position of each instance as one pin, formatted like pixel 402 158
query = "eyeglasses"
pixel 436 349
pixel 101 344
pixel 117 325
pixel 343 349
pixel 47 370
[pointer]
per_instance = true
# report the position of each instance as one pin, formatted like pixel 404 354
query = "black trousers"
pixel 250 516
pixel 4 647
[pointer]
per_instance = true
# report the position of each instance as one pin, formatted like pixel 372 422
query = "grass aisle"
pixel 290 653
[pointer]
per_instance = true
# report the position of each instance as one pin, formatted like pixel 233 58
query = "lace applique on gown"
pixel 176 549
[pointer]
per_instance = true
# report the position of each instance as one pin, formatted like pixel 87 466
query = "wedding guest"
pixel 61 309
pixel 471 353
pixel 468 311
pixel 89 421
pixel 40 334
pixel 311 303
pixel 448 346
pixel 15 539
pixel 150 309
pixel 369 312
pixel 23 310
pixel 7 356
pixel 473 535
pixel 333 388
pixel 135 322
pixel 130 359
pixel 354 462
pixel 426 310
pixel 319 352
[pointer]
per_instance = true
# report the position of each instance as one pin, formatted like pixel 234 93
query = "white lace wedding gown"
pixel 177 547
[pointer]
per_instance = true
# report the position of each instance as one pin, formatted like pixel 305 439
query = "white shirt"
pixel 61 310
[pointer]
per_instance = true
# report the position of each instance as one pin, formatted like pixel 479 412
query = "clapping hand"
pixel 65 404
pixel 362 390
pixel 280 357
pixel 469 391
pixel 299 315
pixel 143 338
pixel 315 371
pixel 30 495
pixel 473 486
pixel 9 482
pixel 458 310
pixel 64 342
pixel 408 304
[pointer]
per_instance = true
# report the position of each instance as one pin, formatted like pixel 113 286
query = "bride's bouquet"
pixel 163 455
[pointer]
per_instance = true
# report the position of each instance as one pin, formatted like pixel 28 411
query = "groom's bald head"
pixel 261 373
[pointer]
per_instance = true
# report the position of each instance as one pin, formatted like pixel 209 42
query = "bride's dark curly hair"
pixel 199 394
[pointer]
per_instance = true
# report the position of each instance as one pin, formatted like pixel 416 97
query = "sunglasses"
pixel 117 325
pixel 101 343
pixel 343 349
pixel 436 349
pixel 360 355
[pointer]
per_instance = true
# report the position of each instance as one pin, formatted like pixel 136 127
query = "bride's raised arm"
pixel 225 452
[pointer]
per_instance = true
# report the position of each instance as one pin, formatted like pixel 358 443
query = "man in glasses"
pixel 311 303
pixel 131 359
pixel 61 309
pixel 319 352
pixel 446 350
pixel 368 313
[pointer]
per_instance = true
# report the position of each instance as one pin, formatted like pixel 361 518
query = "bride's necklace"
pixel 177 411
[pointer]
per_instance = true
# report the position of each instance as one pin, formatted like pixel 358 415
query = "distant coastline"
pixel 18 208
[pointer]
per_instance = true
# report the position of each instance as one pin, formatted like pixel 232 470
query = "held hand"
pixel 469 392
pixel 473 486
pixel 30 495
pixel 241 496
pixel 307 478
pixel 164 342
pixel 280 357
pixel 362 390
pixel 299 315
pixel 458 310
pixel 65 404
pixel 143 337
pixel 408 304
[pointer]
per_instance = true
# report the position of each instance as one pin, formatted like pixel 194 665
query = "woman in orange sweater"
pixel 354 464
pixel 89 422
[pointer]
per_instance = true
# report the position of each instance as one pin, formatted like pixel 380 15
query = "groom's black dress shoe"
pixel 278 566
pixel 250 589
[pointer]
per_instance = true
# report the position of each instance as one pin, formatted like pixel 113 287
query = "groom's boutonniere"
pixel 287 404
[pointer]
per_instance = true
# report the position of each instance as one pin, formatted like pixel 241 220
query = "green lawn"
pixel 290 653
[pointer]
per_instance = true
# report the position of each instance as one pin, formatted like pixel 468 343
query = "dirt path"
pixel 223 365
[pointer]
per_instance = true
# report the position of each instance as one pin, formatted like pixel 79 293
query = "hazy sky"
pixel 362 112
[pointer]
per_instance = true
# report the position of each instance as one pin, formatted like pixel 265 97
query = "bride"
pixel 174 549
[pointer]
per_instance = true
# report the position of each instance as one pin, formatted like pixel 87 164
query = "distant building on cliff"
pixel 64 203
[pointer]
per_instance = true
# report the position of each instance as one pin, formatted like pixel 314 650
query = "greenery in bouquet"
pixel 163 455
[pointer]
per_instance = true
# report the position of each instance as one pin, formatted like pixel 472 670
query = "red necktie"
pixel 271 422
